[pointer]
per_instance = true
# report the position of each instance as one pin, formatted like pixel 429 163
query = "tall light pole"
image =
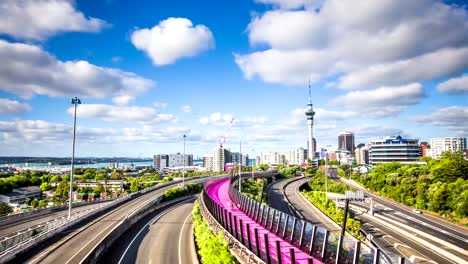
pixel 183 172
pixel 255 159
pixel 240 165
pixel 76 102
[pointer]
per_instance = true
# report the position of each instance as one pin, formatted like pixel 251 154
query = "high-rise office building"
pixel 362 154
pixel 346 141
pixel 161 161
pixel 273 158
pixel 221 156
pixel 451 144
pixel 208 163
pixel 296 156
pixel 394 149
pixel 234 158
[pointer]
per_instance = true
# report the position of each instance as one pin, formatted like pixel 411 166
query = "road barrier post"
pixel 261 215
pixel 376 256
pixel 301 239
pixel 325 242
pixel 267 248
pixel 285 227
pixel 241 231
pixel 278 252
pixel 338 250
pixel 279 222
pixel 272 220
pixel 292 255
pixel 249 240
pixel 235 227
pixel 257 244
pixel 267 218
pixel 357 251
pixel 293 229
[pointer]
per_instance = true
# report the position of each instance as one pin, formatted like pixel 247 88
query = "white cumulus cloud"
pixel 172 39
pixel 186 109
pixel 115 113
pixel 13 107
pixel 40 19
pixel 388 43
pixel 384 101
pixel 27 70
pixel 458 85
pixel 454 118
pixel 123 99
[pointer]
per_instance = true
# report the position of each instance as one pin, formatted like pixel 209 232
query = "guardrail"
pixel 207 208
pixel 34 212
pixel 14 246
pixel 11 246
pixel 319 242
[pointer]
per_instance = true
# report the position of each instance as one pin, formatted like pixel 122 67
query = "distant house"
pixel 80 197
pixel 111 184
pixel 21 195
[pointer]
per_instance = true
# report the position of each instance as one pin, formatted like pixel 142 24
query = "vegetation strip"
pixel 328 206
pixel 212 248
pixel 440 186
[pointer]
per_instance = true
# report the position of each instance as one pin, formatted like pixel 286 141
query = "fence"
pixel 318 242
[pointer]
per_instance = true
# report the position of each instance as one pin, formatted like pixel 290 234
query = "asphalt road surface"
pixel 165 236
pixel 304 208
pixel 80 241
pixel 17 225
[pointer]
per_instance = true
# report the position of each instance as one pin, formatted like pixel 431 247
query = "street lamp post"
pixel 183 172
pixel 76 102
pixel 240 165
pixel 253 151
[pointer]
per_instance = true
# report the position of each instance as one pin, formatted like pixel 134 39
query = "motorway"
pixel 74 246
pixel 434 238
pixel 165 236
pixel 36 219
pixel 301 206
pixel 391 239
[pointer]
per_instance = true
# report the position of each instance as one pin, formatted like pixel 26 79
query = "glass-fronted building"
pixel 394 149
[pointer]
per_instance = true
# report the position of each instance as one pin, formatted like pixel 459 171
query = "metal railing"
pixel 318 242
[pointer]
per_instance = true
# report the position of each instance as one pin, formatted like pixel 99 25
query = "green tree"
pixel 116 175
pixel 62 189
pixel 45 186
pixel 5 208
pixel 134 186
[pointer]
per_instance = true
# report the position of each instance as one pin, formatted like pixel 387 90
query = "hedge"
pixel 212 249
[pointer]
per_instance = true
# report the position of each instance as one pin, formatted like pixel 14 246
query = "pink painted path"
pixel 219 192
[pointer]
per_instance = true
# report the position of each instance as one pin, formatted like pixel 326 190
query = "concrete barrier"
pixel 4 220
pixel 18 249
pixel 101 247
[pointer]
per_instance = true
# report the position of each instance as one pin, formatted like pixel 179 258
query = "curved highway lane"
pixel 17 225
pixel 165 236
pixel 75 246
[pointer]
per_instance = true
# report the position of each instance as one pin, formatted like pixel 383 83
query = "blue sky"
pixel 148 72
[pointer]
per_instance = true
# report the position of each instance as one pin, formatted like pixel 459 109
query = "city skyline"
pixel 145 80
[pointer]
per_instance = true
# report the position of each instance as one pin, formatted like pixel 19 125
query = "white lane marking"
pixel 155 219
pixel 180 236
pixel 78 252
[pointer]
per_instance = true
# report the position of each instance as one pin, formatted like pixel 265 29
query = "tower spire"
pixel 310 96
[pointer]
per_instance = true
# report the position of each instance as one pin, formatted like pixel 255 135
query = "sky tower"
pixel 310 125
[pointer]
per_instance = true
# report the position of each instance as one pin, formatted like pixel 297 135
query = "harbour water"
pixel 49 165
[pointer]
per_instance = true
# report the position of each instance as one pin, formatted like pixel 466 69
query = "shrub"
pixel 212 249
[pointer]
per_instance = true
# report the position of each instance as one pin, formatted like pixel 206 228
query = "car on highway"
pixel 416 211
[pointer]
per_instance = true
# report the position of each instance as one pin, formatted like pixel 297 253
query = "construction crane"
pixel 222 140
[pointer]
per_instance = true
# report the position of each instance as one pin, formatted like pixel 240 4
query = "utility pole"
pixel 76 102
pixel 255 159
pixel 240 165
pixel 183 172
